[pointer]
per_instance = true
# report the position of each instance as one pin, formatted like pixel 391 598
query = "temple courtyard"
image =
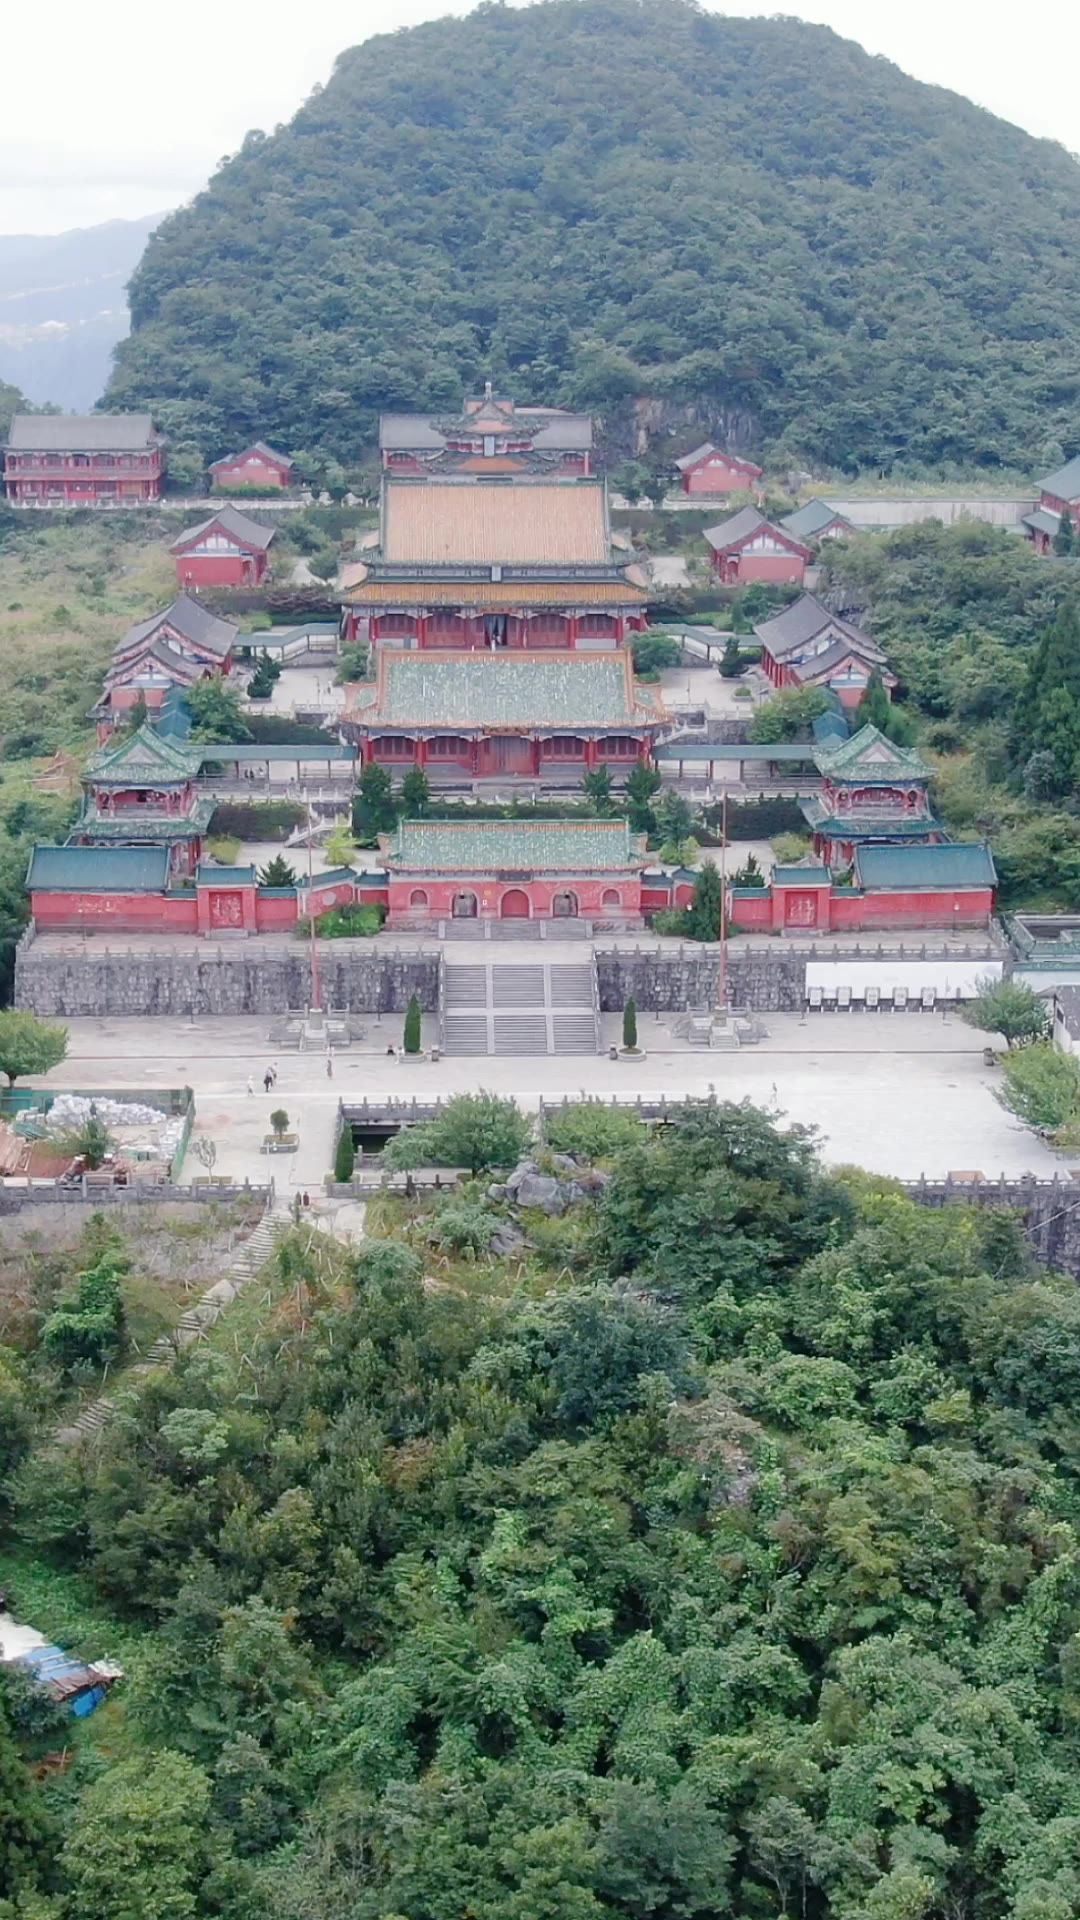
pixel 901 1094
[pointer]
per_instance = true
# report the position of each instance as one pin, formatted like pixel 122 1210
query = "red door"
pixel 801 909
pixel 514 904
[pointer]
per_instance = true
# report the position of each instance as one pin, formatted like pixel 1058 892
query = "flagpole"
pixel 723 902
pixel 311 909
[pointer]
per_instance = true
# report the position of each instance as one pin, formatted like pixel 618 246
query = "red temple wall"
pixel 844 910
pixel 738 569
pixel 221 569
pixel 119 912
pixel 438 901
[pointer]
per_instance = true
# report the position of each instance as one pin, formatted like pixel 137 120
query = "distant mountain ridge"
pixel 63 308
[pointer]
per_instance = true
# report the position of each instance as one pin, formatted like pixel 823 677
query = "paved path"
pixel 897 1093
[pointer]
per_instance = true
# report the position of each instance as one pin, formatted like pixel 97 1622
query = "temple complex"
pixel 531 564
pixel 504 715
pixel 490 436
pixel 873 792
pixel 512 870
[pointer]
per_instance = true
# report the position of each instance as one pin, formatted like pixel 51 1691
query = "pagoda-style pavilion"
pixel 495 564
pixel 489 436
pixel 143 792
pixel 873 793
pixel 504 715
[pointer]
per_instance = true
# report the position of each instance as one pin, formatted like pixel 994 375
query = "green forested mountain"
pixel 593 200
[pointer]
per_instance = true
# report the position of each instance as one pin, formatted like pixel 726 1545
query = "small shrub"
pixel 225 849
pixel 279 1120
pixel 591 1131
pixel 462 1227
pixel 345 923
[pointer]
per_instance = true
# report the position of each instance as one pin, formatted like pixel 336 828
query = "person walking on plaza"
pixel 251 1085
pixel 329 1064
pixel 268 1080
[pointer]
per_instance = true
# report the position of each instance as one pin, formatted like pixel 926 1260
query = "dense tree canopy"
pixel 829 259
pixel 723 1563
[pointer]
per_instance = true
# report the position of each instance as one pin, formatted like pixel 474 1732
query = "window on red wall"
pixel 392 747
pixel 563 746
pixel 596 625
pixel 618 746
pixel 448 746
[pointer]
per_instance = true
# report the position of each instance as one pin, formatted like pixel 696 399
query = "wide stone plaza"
pixel 900 1094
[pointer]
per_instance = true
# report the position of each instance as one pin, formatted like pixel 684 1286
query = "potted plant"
pixel 280 1140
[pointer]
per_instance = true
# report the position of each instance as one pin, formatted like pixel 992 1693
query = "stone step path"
pixel 520 1006
pixel 194 1321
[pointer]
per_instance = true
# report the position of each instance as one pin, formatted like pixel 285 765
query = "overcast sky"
pixel 125 108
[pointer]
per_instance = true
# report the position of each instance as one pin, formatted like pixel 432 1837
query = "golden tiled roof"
pixel 496 595
pixel 534 524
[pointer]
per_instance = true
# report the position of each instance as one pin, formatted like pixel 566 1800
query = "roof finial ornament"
pixel 487 390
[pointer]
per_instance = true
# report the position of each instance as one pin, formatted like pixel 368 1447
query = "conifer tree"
pixel 412 1034
pixel 1065 537
pixel 629 1025
pixel 344 1156
pixel 703 913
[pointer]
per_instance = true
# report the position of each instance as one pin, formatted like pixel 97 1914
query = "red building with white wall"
pixel 714 474
pixel 227 550
pixel 83 460
pixel 747 547
pixel 258 467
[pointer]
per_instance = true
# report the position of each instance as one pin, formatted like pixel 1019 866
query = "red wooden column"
pixel 421 751
pixel 571 631
pixel 422 630
pixel 591 752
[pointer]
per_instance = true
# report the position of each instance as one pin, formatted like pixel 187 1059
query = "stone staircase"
pixel 519 1007
pixel 250 1258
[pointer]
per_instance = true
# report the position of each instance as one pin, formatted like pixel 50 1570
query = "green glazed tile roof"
pixel 956 864
pixel 533 846
pixel 211 876
pixel 144 756
pixel 869 756
pixel 802 873
pixel 98 870
pixel 865 826
pixel 494 690
pixel 145 824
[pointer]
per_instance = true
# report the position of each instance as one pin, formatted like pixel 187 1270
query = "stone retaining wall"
pixel 239 980
pixel 688 981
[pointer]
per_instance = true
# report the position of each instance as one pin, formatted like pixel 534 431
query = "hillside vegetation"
pixel 587 200
pixel 715 1556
